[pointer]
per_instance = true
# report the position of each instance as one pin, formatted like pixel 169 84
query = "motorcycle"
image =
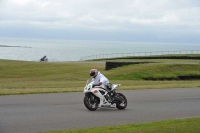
pixel 44 59
pixel 96 96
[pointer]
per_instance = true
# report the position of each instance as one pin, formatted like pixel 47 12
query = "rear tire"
pixel 123 103
pixel 90 104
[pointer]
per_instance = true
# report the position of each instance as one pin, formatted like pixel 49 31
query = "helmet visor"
pixel 92 74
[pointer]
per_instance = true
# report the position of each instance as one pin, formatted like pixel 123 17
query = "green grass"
pixel 22 77
pixel 190 125
pixel 154 71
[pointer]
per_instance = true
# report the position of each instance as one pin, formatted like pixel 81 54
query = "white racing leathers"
pixel 100 78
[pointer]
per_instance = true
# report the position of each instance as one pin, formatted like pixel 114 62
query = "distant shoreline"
pixel 14 46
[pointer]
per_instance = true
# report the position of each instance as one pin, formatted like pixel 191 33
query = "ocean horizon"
pixel 74 50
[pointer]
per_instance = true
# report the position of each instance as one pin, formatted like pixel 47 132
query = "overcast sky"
pixel 106 20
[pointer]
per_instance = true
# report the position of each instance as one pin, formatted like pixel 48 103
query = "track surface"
pixel 47 112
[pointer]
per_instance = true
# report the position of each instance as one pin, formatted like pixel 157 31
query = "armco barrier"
pixel 110 65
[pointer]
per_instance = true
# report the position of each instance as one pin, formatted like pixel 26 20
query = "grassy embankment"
pixel 168 126
pixel 21 77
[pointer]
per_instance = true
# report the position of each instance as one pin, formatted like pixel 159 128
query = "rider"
pixel 99 79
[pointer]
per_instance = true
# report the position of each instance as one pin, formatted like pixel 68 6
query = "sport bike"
pixel 96 96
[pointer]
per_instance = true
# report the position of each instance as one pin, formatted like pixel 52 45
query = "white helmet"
pixel 93 73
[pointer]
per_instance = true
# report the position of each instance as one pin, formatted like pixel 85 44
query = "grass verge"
pixel 21 77
pixel 155 71
pixel 190 125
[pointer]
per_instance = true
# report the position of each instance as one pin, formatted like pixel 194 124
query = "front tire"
pixel 123 103
pixel 90 102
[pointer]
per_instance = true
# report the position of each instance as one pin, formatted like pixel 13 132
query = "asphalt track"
pixel 46 112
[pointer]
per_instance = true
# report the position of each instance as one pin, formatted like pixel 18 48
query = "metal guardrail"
pixel 138 54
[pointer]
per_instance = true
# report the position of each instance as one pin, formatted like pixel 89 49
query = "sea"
pixel 76 50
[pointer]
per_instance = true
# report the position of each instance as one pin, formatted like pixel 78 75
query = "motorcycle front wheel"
pixel 123 103
pixel 90 102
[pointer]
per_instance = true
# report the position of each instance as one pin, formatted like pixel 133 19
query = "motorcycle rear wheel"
pixel 90 104
pixel 123 104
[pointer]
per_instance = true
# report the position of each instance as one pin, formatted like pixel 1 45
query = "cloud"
pixel 137 16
